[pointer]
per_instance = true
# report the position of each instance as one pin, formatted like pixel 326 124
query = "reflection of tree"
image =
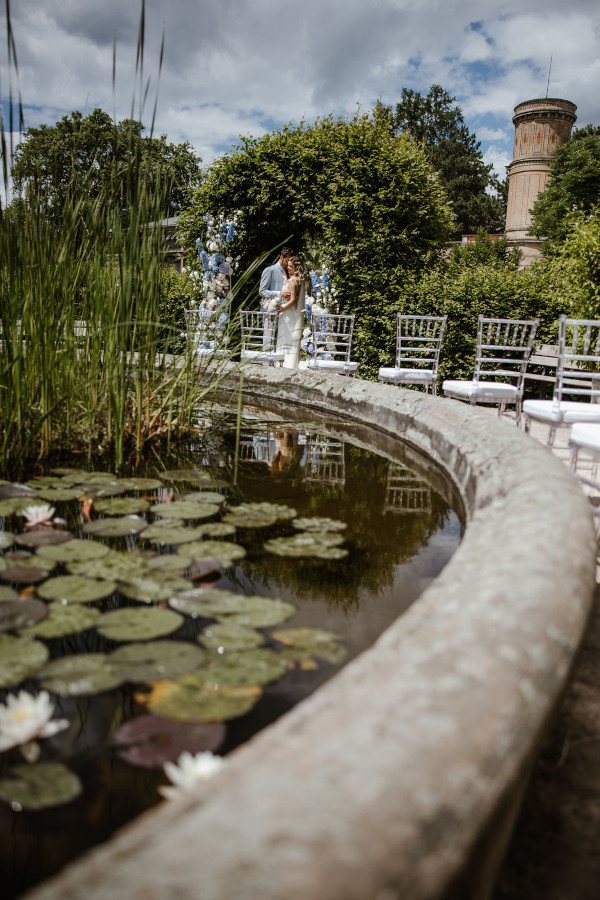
pixel 376 543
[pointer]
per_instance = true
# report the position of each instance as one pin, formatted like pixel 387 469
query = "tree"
pixel 578 259
pixel 437 122
pixel 574 187
pixel 367 203
pixel 90 155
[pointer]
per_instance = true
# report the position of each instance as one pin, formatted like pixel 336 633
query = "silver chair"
pixel 332 344
pixel 503 351
pixel 206 331
pixel 259 338
pixel 418 345
pixel 577 375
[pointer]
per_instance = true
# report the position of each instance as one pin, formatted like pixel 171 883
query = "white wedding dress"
pixel 289 332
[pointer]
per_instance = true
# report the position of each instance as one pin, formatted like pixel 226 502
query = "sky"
pixel 235 67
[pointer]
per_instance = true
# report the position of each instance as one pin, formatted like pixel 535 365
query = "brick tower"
pixel 540 127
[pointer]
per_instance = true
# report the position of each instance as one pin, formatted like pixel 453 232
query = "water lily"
pixel 189 772
pixel 25 718
pixel 38 515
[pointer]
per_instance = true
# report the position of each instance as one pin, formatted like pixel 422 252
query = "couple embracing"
pixel 282 289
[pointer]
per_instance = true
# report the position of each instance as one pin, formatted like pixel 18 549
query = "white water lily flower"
pixel 189 772
pixel 38 515
pixel 25 718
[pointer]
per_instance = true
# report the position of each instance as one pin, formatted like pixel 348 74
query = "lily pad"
pixel 19 558
pixel 249 520
pixel 153 589
pixel 44 537
pixel 75 551
pixel 10 491
pixel 40 786
pixel 156 660
pixel 20 658
pixel 116 527
pixel 58 494
pixel 276 512
pixel 68 470
pixel 24 574
pixel 7 594
pixel 138 624
pixel 140 484
pixel 79 675
pixel 168 562
pixel 115 566
pixel 169 533
pixel 21 614
pixel 254 611
pixel 242 668
pixel 308 543
pixel 192 476
pixel 318 523
pixel 81 477
pixel 75 589
pixel 224 551
pixel 62 620
pixel 304 644
pixel 218 529
pixel 204 497
pixel 190 699
pixel 184 509
pixel 151 741
pixel 122 506
pixel 18 504
pixel 224 636
pixel 101 489
pixel 6 539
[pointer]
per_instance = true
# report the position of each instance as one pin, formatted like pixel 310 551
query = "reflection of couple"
pixel 282 289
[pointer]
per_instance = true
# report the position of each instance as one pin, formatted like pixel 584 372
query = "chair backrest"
pixel 332 337
pixel 205 327
pixel 419 341
pixel 503 348
pixel 259 331
pixel 578 366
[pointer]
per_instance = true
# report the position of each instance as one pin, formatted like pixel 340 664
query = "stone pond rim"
pixel 402 775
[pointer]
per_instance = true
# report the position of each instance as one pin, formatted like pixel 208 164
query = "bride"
pixel 291 313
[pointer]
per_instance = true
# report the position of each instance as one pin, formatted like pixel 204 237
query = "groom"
pixel 274 277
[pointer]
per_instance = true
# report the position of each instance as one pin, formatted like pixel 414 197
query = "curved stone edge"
pixel 401 776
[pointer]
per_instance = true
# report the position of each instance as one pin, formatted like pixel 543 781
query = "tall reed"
pixel 86 355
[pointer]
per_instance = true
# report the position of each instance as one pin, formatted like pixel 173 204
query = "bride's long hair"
pixel 300 272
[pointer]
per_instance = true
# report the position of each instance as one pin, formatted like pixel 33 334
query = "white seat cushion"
pixel 333 365
pixel 586 435
pixel 262 356
pixel 482 392
pixel 567 413
pixel 407 376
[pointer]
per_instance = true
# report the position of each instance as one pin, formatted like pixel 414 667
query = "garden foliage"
pixel 365 202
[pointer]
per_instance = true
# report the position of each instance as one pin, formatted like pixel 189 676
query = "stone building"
pixel 540 127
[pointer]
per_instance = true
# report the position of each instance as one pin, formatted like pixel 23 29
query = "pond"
pixel 191 609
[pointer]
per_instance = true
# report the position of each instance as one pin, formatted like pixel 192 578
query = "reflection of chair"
pixel 503 351
pixel 206 331
pixel 418 344
pixel 258 448
pixel 404 492
pixel 577 375
pixel 324 460
pixel 332 343
pixel 259 338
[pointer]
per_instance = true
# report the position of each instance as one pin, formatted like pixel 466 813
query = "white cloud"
pixel 232 66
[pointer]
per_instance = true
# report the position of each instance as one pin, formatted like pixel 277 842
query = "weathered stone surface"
pixel 399 778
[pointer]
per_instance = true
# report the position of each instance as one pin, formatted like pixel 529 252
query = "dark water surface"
pixel 400 533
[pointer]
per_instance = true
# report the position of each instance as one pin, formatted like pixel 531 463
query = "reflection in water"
pixel 324 460
pixel 391 559
pixel 405 493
